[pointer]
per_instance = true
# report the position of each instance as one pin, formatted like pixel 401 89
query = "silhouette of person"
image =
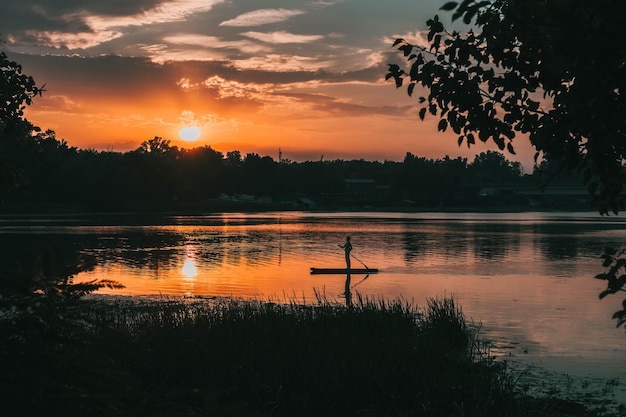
pixel 347 291
pixel 347 247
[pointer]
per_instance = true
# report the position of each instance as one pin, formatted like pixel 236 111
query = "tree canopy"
pixel 554 71
pixel 17 91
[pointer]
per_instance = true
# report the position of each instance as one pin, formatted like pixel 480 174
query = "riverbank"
pixel 559 381
pixel 259 205
pixel 216 356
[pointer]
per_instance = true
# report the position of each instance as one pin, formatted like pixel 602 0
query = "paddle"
pixel 366 277
pixel 366 267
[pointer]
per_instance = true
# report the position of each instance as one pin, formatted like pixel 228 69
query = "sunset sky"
pixel 307 77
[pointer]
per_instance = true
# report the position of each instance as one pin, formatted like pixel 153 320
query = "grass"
pixel 225 357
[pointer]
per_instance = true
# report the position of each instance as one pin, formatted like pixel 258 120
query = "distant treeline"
pixel 46 173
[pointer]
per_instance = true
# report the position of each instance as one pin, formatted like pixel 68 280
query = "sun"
pixel 189 133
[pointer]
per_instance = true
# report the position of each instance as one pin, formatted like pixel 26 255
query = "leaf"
pixel 437 42
pixel 499 141
pixel 422 113
pixel 410 89
pixel 467 19
pixel 443 125
pixel 451 5
pixel 509 146
pixel 607 262
pixel 406 49
pixel 397 41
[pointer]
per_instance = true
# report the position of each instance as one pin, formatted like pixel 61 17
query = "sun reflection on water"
pixel 189 268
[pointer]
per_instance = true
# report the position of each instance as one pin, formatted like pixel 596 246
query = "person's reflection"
pixel 347 292
pixel 348 289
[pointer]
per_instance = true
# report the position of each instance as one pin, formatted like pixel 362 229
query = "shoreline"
pixel 218 206
pixel 594 384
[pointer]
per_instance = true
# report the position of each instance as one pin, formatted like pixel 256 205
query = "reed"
pixel 236 357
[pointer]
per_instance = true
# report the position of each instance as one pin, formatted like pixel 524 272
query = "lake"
pixel 527 278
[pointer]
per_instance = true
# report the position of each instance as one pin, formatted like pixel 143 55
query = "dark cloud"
pixel 106 8
pixel 113 71
pixel 332 105
pixel 55 9
pixel 127 80
pixel 19 16
pixel 122 74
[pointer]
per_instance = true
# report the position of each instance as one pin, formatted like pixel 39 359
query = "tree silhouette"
pixel 156 146
pixel 492 166
pixel 554 71
pixel 17 91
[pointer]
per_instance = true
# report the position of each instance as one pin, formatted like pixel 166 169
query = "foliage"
pixel 37 288
pixel 615 276
pixel 492 166
pixel 17 91
pixel 160 177
pixel 232 357
pixel 550 70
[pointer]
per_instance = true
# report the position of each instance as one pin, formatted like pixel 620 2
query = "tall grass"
pixel 233 357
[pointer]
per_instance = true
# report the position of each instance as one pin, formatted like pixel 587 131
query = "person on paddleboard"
pixel 347 247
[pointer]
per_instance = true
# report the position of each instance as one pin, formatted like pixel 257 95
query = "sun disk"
pixel 190 133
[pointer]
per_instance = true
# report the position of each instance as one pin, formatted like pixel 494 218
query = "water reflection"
pixel 189 268
pixel 257 252
pixel 526 276
pixel 348 291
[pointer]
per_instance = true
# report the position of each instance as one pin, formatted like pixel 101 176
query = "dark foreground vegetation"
pixel 223 357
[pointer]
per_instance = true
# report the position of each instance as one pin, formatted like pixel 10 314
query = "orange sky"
pixel 252 76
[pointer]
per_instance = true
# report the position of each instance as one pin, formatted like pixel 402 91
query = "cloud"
pixel 281 63
pixel 418 38
pixel 213 42
pixel 171 11
pixel 80 25
pixel 262 17
pixel 197 47
pixel 65 40
pixel 326 105
pixel 282 37
pixel 231 89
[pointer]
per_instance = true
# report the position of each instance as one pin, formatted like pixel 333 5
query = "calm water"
pixel 528 278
